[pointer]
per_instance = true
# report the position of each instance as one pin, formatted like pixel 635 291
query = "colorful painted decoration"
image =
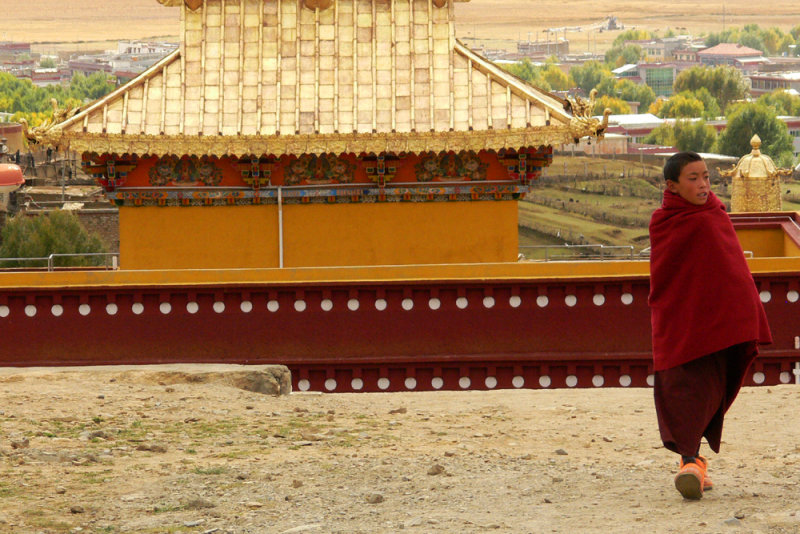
pixel 382 168
pixel 526 165
pixel 310 169
pixel 449 167
pixel 175 171
pixel 256 172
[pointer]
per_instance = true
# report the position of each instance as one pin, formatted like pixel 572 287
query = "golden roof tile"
pixel 273 77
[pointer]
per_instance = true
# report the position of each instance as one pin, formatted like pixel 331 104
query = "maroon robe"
pixel 707 319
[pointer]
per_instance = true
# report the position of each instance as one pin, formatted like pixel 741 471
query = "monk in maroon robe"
pixel 706 315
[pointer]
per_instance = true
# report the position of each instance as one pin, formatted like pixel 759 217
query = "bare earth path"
pixel 111 451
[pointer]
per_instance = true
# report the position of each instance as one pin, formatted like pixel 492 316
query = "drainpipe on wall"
pixel 280 227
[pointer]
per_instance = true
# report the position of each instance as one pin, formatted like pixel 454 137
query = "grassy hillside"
pixel 602 202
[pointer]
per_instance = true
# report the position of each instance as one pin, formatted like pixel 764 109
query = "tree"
pixel 556 78
pixel 627 90
pixel 682 105
pixel 527 71
pixel 748 119
pixel 663 135
pixel 47 63
pixel 58 232
pixel 696 136
pixel 726 84
pixel 590 75
pixel 616 105
pixel 782 102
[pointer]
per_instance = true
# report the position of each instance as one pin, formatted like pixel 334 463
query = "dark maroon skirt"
pixel 691 399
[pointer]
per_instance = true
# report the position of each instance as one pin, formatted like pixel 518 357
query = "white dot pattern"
pixel 544 381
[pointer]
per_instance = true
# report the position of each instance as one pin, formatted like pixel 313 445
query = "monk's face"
pixel 693 184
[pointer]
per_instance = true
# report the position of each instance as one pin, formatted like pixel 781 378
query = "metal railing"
pixel 584 252
pixel 110 260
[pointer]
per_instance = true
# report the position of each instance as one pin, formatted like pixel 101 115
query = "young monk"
pixel 706 316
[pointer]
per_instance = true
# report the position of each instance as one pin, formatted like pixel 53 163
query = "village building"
pixel 318 133
pixel 729 54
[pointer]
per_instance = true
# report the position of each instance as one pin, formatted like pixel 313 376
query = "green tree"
pixel 748 119
pixel 616 105
pixel 628 91
pixel 782 102
pixel 683 104
pixel 590 75
pixel 58 232
pixel 663 135
pixel 696 136
pixel 726 84
pixel 556 78
pixel 48 63
pixel 527 71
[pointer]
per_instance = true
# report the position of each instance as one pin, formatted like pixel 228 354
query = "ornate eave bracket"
pixel 244 145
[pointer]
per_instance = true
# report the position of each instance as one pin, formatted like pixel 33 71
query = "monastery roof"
pixel 261 76
pixel 730 49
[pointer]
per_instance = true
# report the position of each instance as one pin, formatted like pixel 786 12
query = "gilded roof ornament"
pixel 755 181
pixel 194 5
pixel 39 133
pixel 583 122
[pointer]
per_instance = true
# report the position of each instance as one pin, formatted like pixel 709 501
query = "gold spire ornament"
pixel 755 182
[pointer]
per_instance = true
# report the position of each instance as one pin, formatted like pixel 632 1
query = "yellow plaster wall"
pixel 762 242
pixel 201 237
pixel 399 233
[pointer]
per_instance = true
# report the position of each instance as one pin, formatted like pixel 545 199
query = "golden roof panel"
pixel 272 76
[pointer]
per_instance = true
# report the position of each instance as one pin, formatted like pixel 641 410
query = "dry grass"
pixel 498 22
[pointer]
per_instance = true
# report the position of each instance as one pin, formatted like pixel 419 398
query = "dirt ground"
pixel 110 451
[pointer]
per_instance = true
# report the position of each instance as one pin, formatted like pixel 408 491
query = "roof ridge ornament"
pixel 194 5
pixel 583 123
pixel 37 134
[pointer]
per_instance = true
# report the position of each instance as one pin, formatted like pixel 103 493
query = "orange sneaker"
pixel 689 481
pixel 703 463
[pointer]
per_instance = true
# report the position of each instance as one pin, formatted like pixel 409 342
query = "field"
pixel 585 200
pixel 495 23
